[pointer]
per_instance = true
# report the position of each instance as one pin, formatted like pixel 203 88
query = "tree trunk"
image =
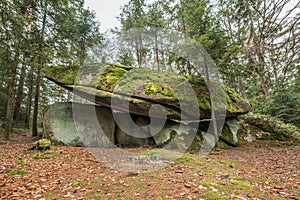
pixel 36 99
pixel 12 71
pixel 156 59
pixel 19 98
pixel 29 98
pixel 138 54
pixel 10 104
pixel 39 77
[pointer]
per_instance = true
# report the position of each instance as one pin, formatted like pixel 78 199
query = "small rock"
pixel 188 185
pixel 226 176
pixel 202 188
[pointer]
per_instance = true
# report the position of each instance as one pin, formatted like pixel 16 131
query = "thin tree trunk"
pixel 39 77
pixel 12 71
pixel 19 98
pixel 29 98
pixel 36 99
pixel 163 61
pixel 156 59
pixel 10 104
pixel 138 54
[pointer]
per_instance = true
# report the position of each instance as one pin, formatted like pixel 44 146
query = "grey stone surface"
pixel 75 124
pixel 137 134
pixel 178 136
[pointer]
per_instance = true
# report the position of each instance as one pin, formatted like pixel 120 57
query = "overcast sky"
pixel 106 12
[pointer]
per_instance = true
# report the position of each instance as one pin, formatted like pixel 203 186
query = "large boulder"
pixel 87 125
pixel 251 127
pixel 142 88
pixel 76 124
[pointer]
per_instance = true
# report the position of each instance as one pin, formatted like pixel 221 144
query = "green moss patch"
pixel 274 128
pixel 41 145
pixel 20 161
pixel 62 74
pixel 147 84
pixel 152 88
pixel 242 185
pixel 190 160
pixel 16 172
pixel 108 76
pixel 211 195
pixel 151 152
pixel 78 183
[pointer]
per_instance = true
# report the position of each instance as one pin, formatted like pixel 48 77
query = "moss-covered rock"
pixel 82 129
pixel 63 74
pixel 41 145
pixel 143 88
pixel 251 127
pixel 270 128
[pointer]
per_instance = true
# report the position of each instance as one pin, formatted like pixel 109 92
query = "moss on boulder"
pixel 143 88
pixel 152 88
pixel 251 127
pixel 270 128
pixel 63 74
pixel 41 145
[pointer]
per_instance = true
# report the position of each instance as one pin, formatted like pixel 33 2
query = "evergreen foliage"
pixel 255 45
pixel 283 103
pixel 35 34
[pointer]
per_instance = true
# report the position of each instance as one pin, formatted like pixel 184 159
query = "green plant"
pixel 16 172
pixel 150 152
pixel 283 103
pixel 78 183
pixel 100 196
pixel 20 161
pixel 48 194
pixel 242 184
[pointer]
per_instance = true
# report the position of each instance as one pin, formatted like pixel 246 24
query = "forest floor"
pixel 260 170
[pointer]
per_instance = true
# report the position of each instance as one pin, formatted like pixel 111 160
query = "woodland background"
pixel 255 45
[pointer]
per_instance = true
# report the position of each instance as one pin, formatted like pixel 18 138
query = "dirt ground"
pixel 260 170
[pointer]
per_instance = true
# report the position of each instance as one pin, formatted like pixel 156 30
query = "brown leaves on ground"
pixel 261 170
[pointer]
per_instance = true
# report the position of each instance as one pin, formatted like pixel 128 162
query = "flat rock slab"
pixel 136 90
